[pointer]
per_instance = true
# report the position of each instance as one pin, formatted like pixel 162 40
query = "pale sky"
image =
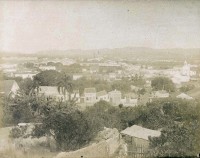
pixel 31 26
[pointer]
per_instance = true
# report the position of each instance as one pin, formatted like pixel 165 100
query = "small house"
pixel 90 95
pixel 9 88
pixel 115 97
pixel 161 94
pixel 137 138
pixel 102 95
pixel 184 96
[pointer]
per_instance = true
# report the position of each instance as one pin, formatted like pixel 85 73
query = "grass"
pixel 11 152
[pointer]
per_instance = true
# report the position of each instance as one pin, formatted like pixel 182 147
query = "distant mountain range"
pixel 125 53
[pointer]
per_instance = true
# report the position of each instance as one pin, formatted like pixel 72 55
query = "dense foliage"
pixel 163 83
pixel 48 78
pixel 178 120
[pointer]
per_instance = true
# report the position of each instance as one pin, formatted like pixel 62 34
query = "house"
pixel 160 94
pixel 25 75
pixel 77 76
pixel 102 95
pixel 115 97
pixel 137 137
pixel 90 95
pixel 184 96
pixel 9 88
pixel 43 68
pixel 130 99
pixel 129 102
pixel 51 92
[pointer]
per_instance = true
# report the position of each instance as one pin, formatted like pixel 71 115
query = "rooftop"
pixel 51 90
pixel 184 96
pixel 140 132
pixel 101 93
pixel 90 90
pixel 6 86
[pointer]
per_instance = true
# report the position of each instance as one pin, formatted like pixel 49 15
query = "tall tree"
pixel 65 86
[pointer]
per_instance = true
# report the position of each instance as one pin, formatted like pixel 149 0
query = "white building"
pixel 77 76
pixel 43 68
pixel 160 94
pixel 184 96
pixel 52 92
pixel 102 95
pixel 25 75
pixel 90 95
pixel 115 97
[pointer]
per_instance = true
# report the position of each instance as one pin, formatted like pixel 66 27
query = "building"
pixel 43 68
pixel 102 95
pixel 90 95
pixel 184 96
pixel 185 71
pixel 160 94
pixel 115 97
pixel 137 138
pixel 77 76
pixel 9 88
pixel 130 99
pixel 52 92
pixel 25 75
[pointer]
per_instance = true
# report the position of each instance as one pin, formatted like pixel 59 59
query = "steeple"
pixel 185 63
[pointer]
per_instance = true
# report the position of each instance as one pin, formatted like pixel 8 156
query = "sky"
pixel 32 26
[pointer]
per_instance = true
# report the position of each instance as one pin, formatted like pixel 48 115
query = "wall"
pixel 102 149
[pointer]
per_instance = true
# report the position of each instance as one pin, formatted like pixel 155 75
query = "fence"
pixel 138 152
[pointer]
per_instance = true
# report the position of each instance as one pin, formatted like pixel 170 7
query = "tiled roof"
pixel 184 96
pixel 115 91
pixel 140 132
pixel 101 93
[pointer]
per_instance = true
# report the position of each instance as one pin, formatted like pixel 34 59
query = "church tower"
pixel 186 69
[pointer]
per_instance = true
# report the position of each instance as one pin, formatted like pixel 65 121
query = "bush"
pixel 17 132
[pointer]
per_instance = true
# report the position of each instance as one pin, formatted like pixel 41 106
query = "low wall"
pixel 102 149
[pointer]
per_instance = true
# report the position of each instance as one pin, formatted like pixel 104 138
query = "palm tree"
pixel 35 86
pixel 65 85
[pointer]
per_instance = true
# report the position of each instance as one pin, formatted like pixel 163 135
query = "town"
pixel 91 82
pixel 99 79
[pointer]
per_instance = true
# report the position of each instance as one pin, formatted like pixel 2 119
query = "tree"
pixel 187 88
pixel 48 78
pixel 101 115
pixel 26 85
pixel 65 85
pixel 137 80
pixel 180 128
pixel 68 125
pixel 176 141
pixel 122 85
pixel 163 83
